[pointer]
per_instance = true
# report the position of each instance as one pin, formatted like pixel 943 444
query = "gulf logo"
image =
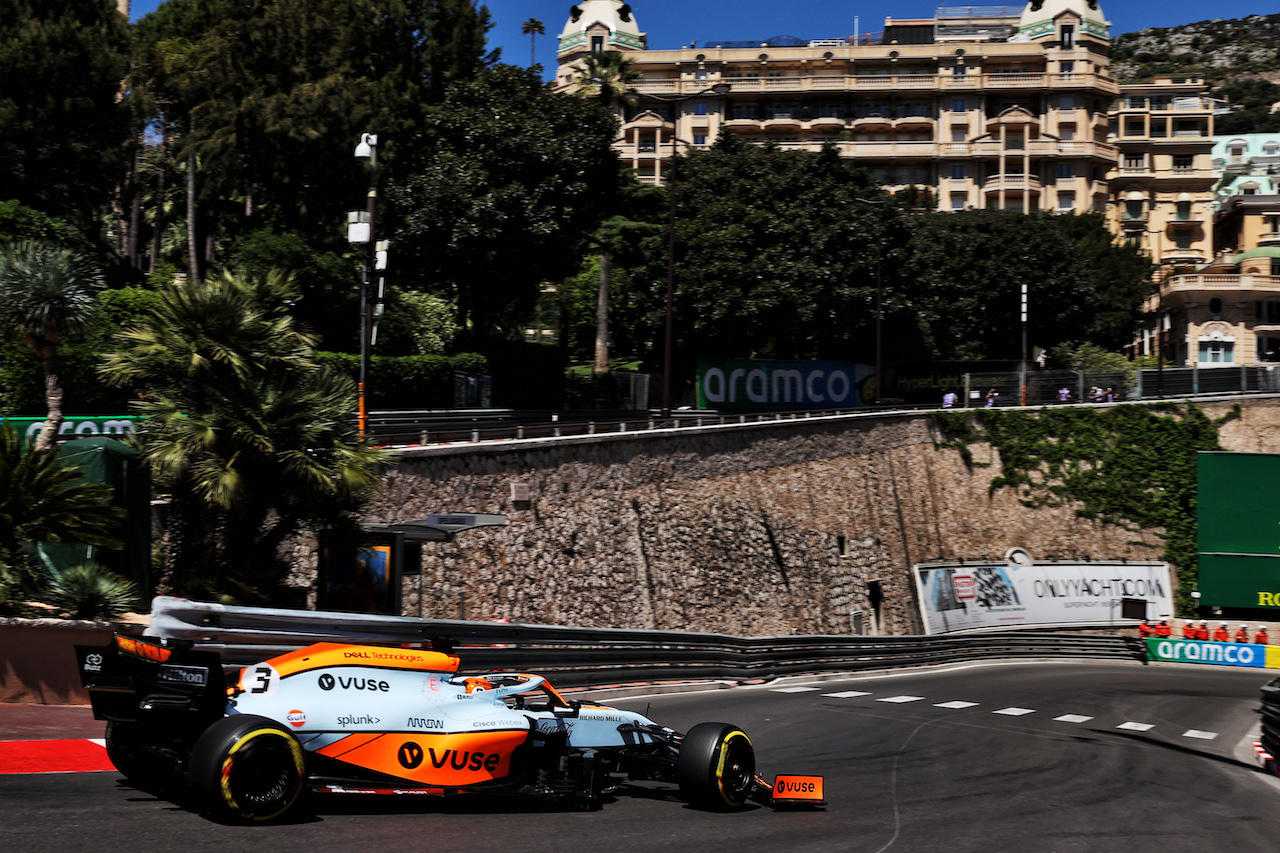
pixel 296 718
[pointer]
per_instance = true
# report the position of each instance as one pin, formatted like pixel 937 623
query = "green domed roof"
pixel 1260 252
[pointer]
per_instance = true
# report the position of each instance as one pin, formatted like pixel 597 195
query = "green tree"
pixel 63 126
pixel 962 285
pixel 1119 279
pixel 46 292
pixel 533 28
pixel 502 189
pixel 607 77
pixel 775 257
pixel 253 440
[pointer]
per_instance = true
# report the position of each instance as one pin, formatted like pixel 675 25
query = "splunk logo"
pixel 1228 654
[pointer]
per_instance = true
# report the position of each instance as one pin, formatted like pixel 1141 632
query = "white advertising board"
pixel 999 595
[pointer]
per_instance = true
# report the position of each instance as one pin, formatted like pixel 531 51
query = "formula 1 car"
pixel 354 719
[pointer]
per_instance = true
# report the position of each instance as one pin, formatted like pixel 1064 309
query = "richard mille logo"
pixel 410 754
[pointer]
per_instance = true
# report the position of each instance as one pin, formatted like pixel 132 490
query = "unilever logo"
pixel 1198 651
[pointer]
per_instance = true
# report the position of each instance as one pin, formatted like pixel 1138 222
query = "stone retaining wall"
pixel 749 530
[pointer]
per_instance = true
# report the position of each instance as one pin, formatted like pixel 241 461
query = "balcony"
pixel 1188 256
pixel 1270 238
pixel 1262 284
pixel 882 82
pixel 1012 183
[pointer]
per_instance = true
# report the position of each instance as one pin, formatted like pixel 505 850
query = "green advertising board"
pixel 76 426
pixel 1238 529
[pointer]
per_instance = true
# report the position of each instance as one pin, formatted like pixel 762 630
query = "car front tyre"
pixel 716 766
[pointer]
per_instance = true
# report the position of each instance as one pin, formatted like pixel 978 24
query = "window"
pixel 1135 127
pixel 1267 313
pixel 1182 239
pixel 742 111
pixel 1134 162
pixel 1270 149
pixel 958 201
pixel 1067 132
pixel 1275 266
pixel 958 71
pixel 1066 170
pixel 1066 102
pixel 1217 352
pixel 1237 154
pixel 1014 142
pixel 1133 210
pixel 597 44
pixel 1215 305
pixel 700 109
pixel 1184 211
pixel 957 172
pixel 700 74
pixel 1159 127
pixel 959 133
pixel 1068 39
pixel 1249 189
pixel 699 139
pixel 959 105
pixel 1066 201
pixel 1067 67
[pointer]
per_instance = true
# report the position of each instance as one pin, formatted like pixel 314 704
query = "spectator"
pixel 1064 394
pixel 993 398
pixel 1163 630
pixel 1221 634
pixel 1202 630
pixel 948 399
pixel 1190 631
pixel 1144 630
pixel 1261 636
pixel 1242 635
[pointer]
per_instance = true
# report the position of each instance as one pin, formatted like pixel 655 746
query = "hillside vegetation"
pixel 1219 50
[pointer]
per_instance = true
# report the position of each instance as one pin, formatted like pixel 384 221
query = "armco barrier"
pixel 578 657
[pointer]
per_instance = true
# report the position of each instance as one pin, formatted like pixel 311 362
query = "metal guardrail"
pixel 580 657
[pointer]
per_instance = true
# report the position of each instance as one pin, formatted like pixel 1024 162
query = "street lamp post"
pixel 360 231
pixel 718 89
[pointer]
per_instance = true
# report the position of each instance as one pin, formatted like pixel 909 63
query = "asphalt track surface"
pixel 1025 757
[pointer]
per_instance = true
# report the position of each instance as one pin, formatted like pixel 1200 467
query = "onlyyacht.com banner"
pixel 959 597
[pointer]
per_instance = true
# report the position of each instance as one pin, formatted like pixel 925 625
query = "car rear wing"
pixel 140 678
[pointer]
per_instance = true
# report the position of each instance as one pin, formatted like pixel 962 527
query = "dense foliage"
pixel 502 187
pixel 1131 466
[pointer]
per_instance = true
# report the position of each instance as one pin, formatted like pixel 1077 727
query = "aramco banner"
pixel 998 595
pixel 1220 654
pixel 733 385
pixel 76 425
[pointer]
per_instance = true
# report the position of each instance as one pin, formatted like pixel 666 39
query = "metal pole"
pixel 671 283
pixel 362 415
pixel 1022 367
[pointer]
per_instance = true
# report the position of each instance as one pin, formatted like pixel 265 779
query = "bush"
pixel 409 381
pixel 89 591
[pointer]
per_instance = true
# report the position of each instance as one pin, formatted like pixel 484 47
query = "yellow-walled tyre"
pixel 716 767
pixel 252 767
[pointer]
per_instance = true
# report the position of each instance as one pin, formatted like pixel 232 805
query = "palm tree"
pixel 46 291
pixel 532 28
pixel 252 438
pixel 43 498
pixel 607 77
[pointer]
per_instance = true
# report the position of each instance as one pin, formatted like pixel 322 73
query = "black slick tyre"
pixel 127 750
pixel 251 767
pixel 716 767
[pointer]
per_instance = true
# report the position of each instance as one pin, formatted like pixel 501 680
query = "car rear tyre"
pixel 252 767
pixel 127 750
pixel 716 767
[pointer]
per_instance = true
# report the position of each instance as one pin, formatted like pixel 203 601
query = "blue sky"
pixel 672 23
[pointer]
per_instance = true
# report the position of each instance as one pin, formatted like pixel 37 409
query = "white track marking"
pixel 1196 733
pixel 1072 718
pixel 793 689
pixel 955 705
pixel 99 741
pixel 901 699
pixel 1015 712
pixel 1136 727
pixel 847 694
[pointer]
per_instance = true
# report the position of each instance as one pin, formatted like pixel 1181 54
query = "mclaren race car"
pixel 354 719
